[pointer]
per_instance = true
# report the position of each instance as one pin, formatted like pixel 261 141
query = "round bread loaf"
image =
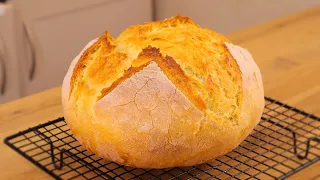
pixel 163 94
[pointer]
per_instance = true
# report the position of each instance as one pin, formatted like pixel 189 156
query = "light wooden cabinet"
pixel 9 68
pixel 53 32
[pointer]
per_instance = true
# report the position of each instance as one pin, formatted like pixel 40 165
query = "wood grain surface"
pixel 287 51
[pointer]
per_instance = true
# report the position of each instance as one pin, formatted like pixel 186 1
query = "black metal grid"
pixel 285 141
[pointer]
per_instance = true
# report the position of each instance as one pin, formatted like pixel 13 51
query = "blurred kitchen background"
pixel 39 38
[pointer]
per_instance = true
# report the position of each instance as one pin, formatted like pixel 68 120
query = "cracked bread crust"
pixel 163 94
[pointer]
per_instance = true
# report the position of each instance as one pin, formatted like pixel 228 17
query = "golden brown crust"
pixel 104 43
pixel 163 94
pixel 127 74
pixel 197 48
pixel 175 73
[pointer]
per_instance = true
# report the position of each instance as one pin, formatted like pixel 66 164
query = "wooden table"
pixel 287 51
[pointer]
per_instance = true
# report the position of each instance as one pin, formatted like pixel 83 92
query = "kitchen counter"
pixel 287 51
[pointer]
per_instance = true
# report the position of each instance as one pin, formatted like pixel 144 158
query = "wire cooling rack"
pixel 285 141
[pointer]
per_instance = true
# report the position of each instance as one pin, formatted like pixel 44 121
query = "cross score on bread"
pixel 163 94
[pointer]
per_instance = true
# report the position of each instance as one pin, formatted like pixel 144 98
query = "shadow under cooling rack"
pixel 285 141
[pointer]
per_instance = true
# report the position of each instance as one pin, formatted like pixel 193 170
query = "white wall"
pixel 226 16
